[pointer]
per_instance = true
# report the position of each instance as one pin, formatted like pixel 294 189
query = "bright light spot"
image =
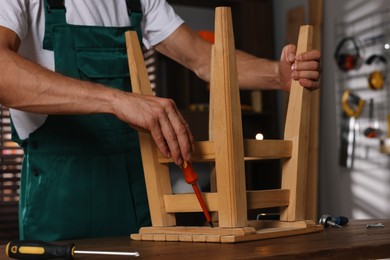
pixel 259 136
pixel 387 46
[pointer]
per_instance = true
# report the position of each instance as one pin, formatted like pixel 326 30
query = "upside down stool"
pixel 228 150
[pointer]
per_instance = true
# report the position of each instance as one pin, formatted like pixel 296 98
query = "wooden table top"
pixel 353 241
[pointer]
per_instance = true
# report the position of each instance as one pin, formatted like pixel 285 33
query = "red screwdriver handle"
pixel 190 175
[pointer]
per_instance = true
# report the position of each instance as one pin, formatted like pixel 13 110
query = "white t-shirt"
pixel 27 19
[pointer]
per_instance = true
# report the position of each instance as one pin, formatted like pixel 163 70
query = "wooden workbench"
pixel 353 241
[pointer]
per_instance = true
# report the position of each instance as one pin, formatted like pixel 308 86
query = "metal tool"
pixel 349 127
pixel 327 220
pixel 34 249
pixel 191 177
pixel 375 225
pixel 352 106
pixel 371 131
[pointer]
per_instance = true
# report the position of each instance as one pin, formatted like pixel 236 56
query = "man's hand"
pixel 304 67
pixel 162 119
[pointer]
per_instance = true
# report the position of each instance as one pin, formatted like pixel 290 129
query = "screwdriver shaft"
pixel 106 253
pixel 332 223
pixel 202 204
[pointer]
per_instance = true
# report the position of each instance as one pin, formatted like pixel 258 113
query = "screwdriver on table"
pixel 191 177
pixel 34 249
pixel 328 220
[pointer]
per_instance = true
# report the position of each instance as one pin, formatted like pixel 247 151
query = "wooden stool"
pixel 228 150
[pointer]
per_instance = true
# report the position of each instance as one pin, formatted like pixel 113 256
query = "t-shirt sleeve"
pixel 14 16
pixel 159 21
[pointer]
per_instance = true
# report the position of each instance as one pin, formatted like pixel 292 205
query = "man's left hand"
pixel 304 67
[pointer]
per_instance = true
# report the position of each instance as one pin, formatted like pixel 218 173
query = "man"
pixel 82 173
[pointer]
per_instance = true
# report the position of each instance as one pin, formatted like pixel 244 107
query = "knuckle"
pixel 169 103
pixel 170 135
pixel 317 65
pixel 182 129
pixel 317 53
pixel 316 75
pixel 159 138
pixel 158 110
pixel 290 47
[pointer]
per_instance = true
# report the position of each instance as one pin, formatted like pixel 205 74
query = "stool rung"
pixel 187 202
pixel 253 150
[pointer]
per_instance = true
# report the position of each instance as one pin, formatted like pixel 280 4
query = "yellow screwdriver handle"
pixel 32 249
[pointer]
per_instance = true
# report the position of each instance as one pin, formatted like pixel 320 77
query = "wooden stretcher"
pixel 227 148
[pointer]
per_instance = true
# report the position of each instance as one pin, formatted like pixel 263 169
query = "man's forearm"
pixel 32 88
pixel 257 73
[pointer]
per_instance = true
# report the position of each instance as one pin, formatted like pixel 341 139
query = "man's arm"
pixel 187 48
pixel 29 87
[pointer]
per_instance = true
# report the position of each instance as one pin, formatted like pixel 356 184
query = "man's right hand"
pixel 162 119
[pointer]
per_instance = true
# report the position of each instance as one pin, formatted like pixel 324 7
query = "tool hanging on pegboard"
pixel 352 105
pixel 347 54
pixel 372 131
pixel 376 79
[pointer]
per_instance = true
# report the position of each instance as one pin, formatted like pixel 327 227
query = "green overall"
pixel 82 174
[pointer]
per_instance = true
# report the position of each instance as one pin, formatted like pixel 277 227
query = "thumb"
pixel 288 53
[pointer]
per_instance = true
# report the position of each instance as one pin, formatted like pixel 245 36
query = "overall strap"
pixel 54 14
pixel 135 12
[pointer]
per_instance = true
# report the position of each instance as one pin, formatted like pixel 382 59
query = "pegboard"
pixel 362 59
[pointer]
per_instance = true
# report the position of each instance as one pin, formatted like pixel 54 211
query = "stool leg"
pixel 294 170
pixel 227 126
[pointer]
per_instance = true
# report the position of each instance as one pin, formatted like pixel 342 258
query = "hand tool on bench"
pixel 191 177
pixel 35 249
pixel 327 220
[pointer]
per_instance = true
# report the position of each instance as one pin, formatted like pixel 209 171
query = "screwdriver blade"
pixel 329 222
pixel 136 254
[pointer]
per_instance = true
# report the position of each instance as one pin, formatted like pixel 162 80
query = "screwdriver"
pixel 34 249
pixel 328 220
pixel 191 177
